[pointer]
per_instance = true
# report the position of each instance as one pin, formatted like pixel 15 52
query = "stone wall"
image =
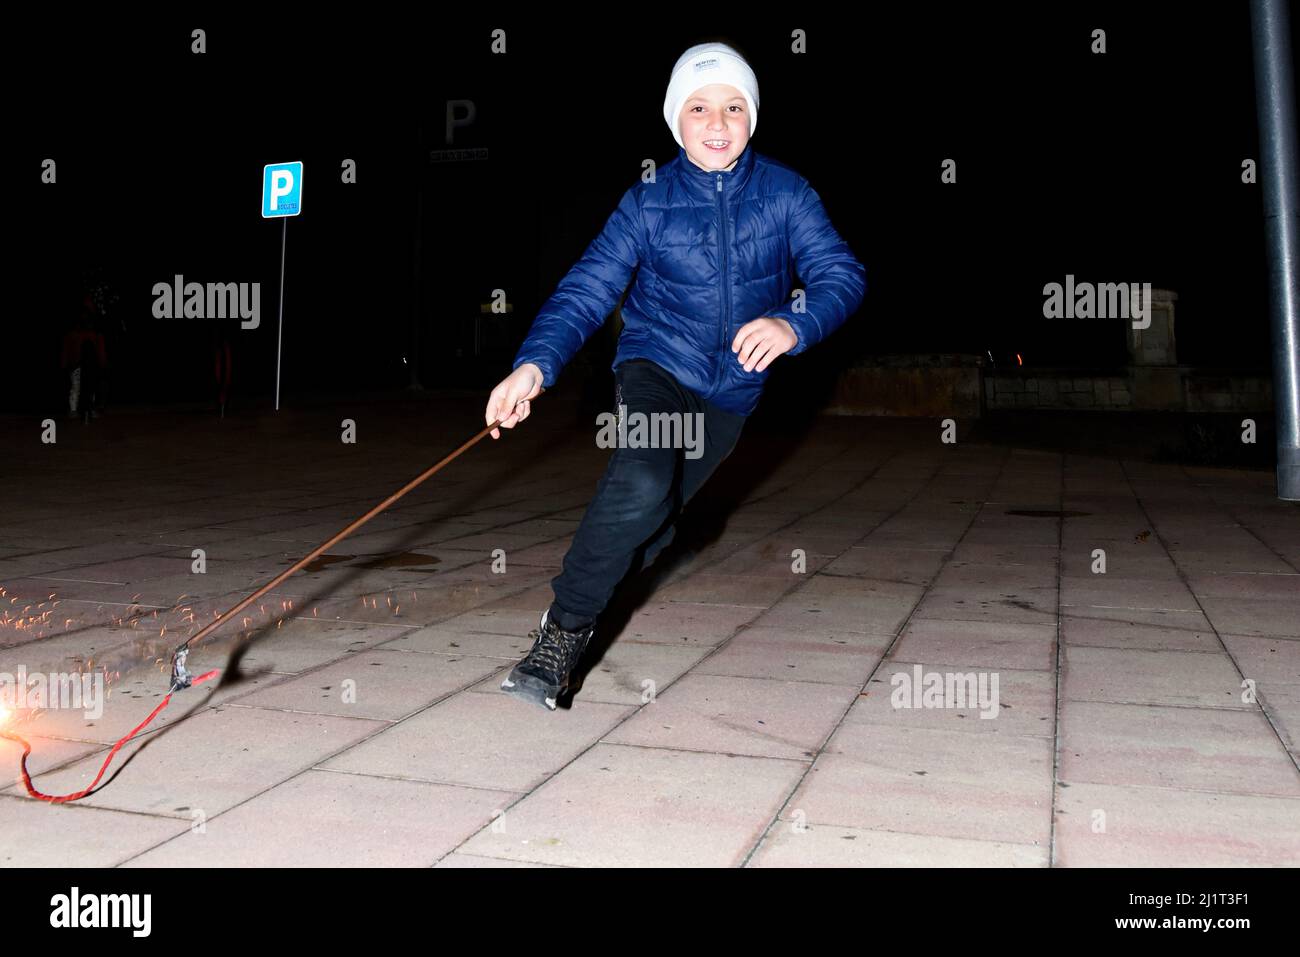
pixel 933 385
pixel 1045 389
pixel 1227 393
pixel 962 386
pixel 1169 389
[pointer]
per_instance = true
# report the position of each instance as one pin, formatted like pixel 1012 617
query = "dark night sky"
pixel 1116 168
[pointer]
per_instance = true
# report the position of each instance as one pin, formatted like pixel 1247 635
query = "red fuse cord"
pixel 62 798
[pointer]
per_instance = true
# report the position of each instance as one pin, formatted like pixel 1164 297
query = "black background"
pixel 1122 167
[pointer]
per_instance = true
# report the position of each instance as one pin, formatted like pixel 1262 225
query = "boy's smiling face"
pixel 714 124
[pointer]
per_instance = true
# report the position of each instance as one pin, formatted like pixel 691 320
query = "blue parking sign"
pixel 281 190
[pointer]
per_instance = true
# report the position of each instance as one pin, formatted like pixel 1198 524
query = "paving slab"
pixel 376 683
pixel 730 715
pixel 1012 702
pixel 619 806
pixel 783 654
pixel 1101 825
pixel 946 783
pixel 1017 647
pixel 283 826
pixel 795 844
pixel 1180 678
pixel 483 740
pixel 214 760
pixel 44 835
pixel 1211 749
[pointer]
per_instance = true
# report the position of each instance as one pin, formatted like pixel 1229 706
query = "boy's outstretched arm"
pixel 586 295
pixel 834 280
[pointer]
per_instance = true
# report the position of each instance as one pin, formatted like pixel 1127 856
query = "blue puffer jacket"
pixel 711 251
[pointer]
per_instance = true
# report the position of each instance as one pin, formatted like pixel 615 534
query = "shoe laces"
pixel 553 648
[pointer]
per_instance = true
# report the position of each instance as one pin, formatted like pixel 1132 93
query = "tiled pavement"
pixel 746 711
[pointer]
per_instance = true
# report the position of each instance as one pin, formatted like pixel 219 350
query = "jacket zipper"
pixel 726 288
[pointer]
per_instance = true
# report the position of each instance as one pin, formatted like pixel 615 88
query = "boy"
pixel 711 242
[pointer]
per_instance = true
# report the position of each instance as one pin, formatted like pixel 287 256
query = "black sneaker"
pixel 543 675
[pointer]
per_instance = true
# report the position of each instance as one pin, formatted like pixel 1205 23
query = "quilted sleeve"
pixel 587 294
pixel 834 280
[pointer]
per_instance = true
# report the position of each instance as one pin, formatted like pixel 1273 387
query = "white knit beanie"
pixel 703 65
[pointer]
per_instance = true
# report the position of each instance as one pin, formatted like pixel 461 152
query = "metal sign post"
pixel 281 198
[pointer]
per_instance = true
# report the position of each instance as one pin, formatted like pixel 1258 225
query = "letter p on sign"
pixel 281 190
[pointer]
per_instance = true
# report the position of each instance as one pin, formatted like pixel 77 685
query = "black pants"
pixel 632 517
